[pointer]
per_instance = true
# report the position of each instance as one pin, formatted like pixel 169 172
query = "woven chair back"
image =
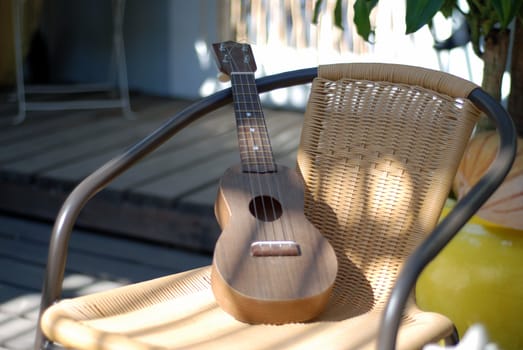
pixel 380 147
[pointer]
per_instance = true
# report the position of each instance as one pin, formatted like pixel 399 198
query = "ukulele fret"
pixel 253 138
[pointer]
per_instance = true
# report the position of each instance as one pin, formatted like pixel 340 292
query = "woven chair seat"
pixel 179 312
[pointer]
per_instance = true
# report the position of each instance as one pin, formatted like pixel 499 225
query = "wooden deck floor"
pixel 154 220
pixel 168 197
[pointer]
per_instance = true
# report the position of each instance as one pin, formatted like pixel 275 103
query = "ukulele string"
pixel 255 105
pixel 284 222
pixel 255 176
pixel 246 83
pixel 241 111
pixel 270 188
pixel 246 149
pixel 266 145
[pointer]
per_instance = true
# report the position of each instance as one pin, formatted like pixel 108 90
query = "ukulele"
pixel 270 264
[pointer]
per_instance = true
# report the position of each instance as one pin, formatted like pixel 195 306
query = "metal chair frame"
pixel 434 243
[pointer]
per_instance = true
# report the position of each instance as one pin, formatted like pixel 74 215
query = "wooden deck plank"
pixel 33 256
pixel 176 155
pixel 10 301
pixel 21 274
pixel 69 130
pixel 51 158
pixel 46 122
pixel 85 242
pixel 169 188
pixel 170 162
pixel 22 148
pixel 184 227
pixel 60 139
pixel 56 123
pixel 113 138
pixel 75 171
pixel 15 332
pixel 17 301
pixel 211 164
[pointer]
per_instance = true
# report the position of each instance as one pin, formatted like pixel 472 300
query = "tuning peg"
pixel 223 77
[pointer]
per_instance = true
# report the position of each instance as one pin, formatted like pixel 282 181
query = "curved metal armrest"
pixel 99 179
pixel 448 227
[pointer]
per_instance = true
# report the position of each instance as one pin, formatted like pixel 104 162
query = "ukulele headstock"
pixel 232 57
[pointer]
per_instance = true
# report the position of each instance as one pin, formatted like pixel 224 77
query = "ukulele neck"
pixel 253 138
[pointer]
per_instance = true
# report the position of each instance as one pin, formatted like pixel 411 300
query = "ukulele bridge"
pixel 275 248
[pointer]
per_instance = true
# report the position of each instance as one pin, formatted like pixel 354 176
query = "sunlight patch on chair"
pixel 390 188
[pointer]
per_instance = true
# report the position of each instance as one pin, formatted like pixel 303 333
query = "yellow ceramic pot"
pixel 478 278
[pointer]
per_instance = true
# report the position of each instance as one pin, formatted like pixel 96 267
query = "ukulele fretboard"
pixel 253 138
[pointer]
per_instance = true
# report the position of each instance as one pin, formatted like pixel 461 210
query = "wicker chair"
pixel 380 146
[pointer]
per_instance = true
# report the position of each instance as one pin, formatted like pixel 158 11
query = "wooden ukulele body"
pixel 271 265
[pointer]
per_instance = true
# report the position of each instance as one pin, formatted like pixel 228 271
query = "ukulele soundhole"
pixel 265 208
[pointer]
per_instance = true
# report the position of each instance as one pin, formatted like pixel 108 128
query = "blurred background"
pixel 154 58
pixel 167 42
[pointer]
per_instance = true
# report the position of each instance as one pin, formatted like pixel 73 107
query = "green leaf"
pixel 483 7
pixel 338 19
pixel 487 25
pixel 362 9
pixel 475 34
pixel 502 9
pixel 317 9
pixel 420 12
pixel 506 10
pixel 448 8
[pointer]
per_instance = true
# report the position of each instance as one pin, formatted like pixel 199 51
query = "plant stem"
pixel 494 59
